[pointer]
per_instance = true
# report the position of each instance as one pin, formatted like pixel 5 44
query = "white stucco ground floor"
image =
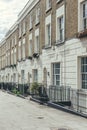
pixel 60 65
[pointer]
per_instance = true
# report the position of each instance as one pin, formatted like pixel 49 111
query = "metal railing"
pixel 22 88
pixel 59 93
pixel 55 94
pixel 78 98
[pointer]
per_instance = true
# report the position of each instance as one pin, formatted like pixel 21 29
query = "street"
pixel 21 114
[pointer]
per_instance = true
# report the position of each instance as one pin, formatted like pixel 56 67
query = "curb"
pixel 58 107
pixel 50 104
pixel 35 100
pixel 21 96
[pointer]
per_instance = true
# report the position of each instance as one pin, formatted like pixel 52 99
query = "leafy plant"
pixel 14 91
pixel 18 93
pixel 35 88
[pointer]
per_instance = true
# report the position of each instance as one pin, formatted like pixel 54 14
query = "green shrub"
pixel 14 91
pixel 35 88
pixel 18 93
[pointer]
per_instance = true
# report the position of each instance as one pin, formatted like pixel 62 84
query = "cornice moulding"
pixel 29 6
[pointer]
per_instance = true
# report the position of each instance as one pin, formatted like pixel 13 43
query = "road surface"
pixel 22 114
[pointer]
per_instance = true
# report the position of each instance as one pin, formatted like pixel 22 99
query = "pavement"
pixel 21 114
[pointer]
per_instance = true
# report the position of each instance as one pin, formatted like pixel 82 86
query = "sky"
pixel 9 10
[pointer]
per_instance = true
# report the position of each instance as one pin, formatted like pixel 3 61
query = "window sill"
pixel 3 69
pixel 82 34
pixel 59 1
pixel 59 43
pixel 36 54
pixel 19 37
pixel 47 47
pixel 19 60
pixel 24 34
pixel 37 23
pixel 29 57
pixel 82 91
pixel 47 10
pixel 13 66
pixel 30 28
pixel 23 59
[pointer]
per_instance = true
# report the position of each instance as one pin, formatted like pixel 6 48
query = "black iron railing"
pixel 66 96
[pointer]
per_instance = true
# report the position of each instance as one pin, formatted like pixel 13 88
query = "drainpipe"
pixel 64 41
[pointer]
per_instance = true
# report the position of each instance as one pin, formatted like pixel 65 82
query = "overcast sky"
pixel 9 10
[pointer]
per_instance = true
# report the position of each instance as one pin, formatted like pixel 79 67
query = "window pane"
pixel 84 72
pixel 57 65
pixel 56 74
pixel 86 10
pixel 82 60
pixel 84 23
pixel 35 75
pixel 61 28
pixel 83 84
pixel 49 34
pixel 57 77
pixel 83 10
pixel 57 71
pixel 57 82
pixel 83 77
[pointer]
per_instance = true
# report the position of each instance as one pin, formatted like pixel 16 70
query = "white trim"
pixel 47 22
pixel 80 15
pixel 12 51
pixel 19 43
pixel 15 50
pixel 48 4
pixel 60 13
pixel 24 27
pixel 37 32
pixel 24 41
pixel 29 6
pixel 30 36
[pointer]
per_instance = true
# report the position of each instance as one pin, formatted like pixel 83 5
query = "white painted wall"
pixel 68 54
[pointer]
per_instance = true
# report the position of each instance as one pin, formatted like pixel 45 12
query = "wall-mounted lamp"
pixel 48 73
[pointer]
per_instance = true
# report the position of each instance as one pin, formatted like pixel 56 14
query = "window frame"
pixel 54 75
pixel 24 27
pixel 37 15
pixel 35 79
pixel 30 47
pixel 23 49
pixel 84 72
pixel 48 37
pixel 15 57
pixel 20 30
pixel 84 15
pixel 48 5
pixel 12 56
pixel 37 44
pixel 30 22
pixel 60 29
pixel 19 51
